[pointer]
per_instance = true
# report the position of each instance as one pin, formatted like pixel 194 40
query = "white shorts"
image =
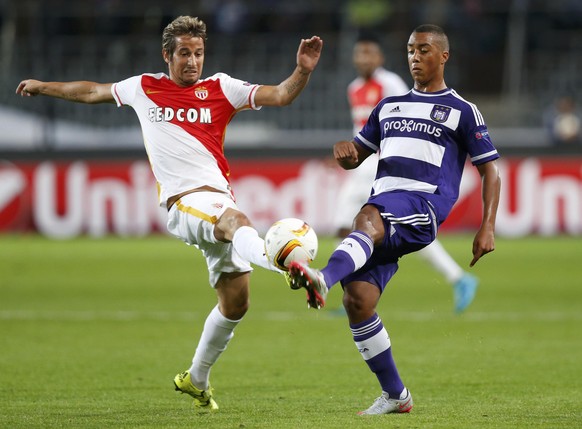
pixel 354 192
pixel 192 219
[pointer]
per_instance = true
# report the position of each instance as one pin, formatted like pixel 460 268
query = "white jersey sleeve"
pixel 237 92
pixel 125 91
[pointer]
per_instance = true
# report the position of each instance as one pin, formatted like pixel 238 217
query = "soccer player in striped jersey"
pixel 373 84
pixel 184 118
pixel 423 138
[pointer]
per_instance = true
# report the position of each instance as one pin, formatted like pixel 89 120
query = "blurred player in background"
pixel 373 84
pixel 183 119
pixel 563 121
pixel 424 138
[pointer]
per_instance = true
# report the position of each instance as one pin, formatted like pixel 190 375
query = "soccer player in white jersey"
pixel 183 119
pixel 374 82
pixel 424 138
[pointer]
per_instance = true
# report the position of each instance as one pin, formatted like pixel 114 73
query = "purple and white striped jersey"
pixel 423 140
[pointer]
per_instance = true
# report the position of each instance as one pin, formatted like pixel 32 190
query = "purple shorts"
pixel 410 224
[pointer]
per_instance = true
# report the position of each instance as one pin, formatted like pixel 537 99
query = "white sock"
pixel 251 247
pixel 441 261
pixel 218 330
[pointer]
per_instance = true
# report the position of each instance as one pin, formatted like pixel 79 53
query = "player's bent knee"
pixel 228 223
pixel 369 221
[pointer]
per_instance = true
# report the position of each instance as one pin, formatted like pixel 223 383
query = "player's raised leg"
pixel 351 254
pixel 232 225
pixel 251 247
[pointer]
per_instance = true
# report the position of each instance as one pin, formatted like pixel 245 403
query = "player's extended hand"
pixel 483 243
pixel 346 154
pixel 308 53
pixel 28 88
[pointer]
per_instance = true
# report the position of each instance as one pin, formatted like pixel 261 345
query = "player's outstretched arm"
pixel 79 91
pixel 283 94
pixel 484 241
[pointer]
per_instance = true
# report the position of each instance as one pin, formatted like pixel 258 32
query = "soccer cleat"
pixel 202 398
pixel 312 280
pixel 288 280
pixel 385 405
pixel 464 291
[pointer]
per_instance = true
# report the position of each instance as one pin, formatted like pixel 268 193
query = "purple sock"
pixel 373 343
pixel 348 257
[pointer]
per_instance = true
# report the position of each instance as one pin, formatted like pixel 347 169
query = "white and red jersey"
pixel 184 127
pixel 364 95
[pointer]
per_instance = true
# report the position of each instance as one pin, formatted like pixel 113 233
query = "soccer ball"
pixel 290 240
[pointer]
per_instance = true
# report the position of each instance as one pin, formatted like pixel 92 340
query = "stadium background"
pixel 513 59
pixel 94 330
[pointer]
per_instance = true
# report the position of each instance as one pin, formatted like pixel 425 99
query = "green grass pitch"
pixel 92 333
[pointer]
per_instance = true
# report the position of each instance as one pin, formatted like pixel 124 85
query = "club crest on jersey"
pixel 440 113
pixel 201 92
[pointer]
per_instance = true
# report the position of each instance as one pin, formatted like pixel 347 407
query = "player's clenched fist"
pixel 345 154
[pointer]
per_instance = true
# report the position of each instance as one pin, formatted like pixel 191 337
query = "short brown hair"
pixel 180 26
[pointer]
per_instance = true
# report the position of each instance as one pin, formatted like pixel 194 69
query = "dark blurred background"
pixel 518 60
